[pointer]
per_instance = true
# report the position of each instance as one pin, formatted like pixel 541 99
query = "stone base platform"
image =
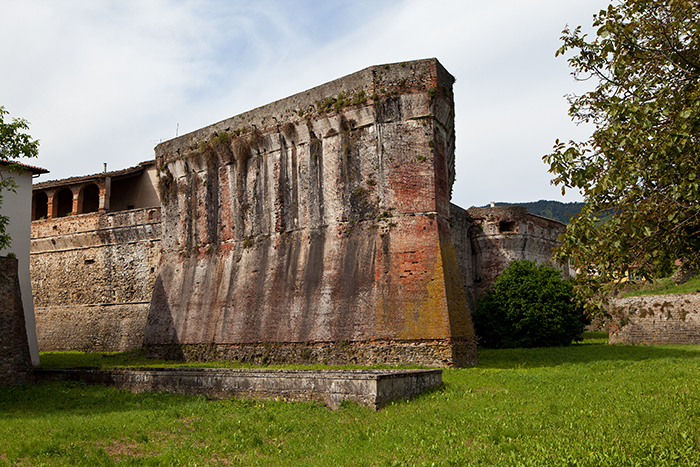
pixel 373 388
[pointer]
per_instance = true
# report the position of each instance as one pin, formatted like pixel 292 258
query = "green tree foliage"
pixel 640 166
pixel 14 144
pixel 529 305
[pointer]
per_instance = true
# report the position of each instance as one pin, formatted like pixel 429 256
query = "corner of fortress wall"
pixel 320 221
pixel 15 361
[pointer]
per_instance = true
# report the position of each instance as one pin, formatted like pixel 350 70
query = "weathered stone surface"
pixel 433 353
pixel 15 361
pixel 374 388
pixel 461 226
pixel 93 277
pixel 655 319
pixel 502 234
pixel 316 228
pixel 304 222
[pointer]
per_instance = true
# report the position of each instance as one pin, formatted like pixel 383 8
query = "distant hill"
pixel 556 210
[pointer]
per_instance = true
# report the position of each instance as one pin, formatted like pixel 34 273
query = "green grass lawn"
pixel 589 404
pixel 663 287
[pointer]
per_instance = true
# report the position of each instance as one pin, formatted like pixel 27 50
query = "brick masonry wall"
pixel 93 277
pixel 314 220
pixel 461 227
pixel 15 361
pixel 505 233
pixel 655 319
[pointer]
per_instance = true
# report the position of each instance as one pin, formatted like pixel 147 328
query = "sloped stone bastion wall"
pixel 317 228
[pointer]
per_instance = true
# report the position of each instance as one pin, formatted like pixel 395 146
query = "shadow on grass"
pixel 53 360
pixel 582 353
pixel 77 398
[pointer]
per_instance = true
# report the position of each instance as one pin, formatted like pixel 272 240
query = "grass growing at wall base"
pixel 135 358
pixel 665 286
pixel 589 404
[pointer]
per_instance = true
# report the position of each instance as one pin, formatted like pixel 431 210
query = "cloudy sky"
pixel 105 81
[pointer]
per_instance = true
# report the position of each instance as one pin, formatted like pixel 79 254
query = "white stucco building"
pixel 18 207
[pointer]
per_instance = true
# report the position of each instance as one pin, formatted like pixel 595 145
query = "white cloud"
pixel 106 81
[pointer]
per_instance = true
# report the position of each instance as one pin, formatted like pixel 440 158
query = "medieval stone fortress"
pixel 317 228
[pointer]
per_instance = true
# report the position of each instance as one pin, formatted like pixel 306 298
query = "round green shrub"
pixel 529 305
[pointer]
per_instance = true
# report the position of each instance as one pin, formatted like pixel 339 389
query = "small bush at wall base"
pixel 529 305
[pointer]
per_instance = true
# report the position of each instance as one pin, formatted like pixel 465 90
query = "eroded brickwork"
pixel 655 319
pixel 502 234
pixel 461 227
pixel 15 361
pixel 320 218
pixel 92 277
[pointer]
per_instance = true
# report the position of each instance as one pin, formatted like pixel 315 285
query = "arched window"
pixel 41 206
pixel 91 198
pixel 64 202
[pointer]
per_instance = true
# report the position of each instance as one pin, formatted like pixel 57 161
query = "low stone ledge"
pixel 373 388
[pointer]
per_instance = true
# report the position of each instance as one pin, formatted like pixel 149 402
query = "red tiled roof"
pixel 31 168
pixel 87 178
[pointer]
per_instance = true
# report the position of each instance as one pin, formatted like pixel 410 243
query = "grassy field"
pixel 663 287
pixel 589 404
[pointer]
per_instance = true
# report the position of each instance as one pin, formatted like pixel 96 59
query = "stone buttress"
pixel 316 229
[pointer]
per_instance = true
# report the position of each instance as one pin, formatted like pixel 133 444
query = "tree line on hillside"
pixel 562 212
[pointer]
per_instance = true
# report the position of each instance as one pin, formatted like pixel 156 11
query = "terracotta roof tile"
pixel 92 177
pixel 31 168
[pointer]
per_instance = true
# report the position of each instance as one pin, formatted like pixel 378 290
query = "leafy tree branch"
pixel 14 144
pixel 638 172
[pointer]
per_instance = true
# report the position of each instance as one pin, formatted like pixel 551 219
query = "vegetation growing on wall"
pixel 342 100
